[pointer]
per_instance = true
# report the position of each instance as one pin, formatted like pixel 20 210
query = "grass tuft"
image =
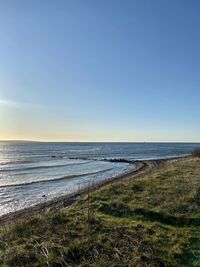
pixel 196 152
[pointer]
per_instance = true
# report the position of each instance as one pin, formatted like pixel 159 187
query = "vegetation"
pixel 196 152
pixel 149 221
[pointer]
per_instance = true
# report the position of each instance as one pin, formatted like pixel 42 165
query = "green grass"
pixel 149 221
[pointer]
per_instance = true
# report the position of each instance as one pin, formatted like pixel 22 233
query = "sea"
pixel 35 172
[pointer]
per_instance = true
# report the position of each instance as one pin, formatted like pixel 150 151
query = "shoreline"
pixel 143 167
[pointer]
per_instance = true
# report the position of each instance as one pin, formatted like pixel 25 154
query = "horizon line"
pixel 92 141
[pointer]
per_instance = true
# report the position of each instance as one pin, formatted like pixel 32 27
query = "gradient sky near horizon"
pixel 100 70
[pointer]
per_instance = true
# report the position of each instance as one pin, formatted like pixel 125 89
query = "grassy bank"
pixel 149 221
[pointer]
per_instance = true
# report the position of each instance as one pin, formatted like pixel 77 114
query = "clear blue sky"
pixel 100 70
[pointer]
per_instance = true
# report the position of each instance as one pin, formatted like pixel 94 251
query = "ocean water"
pixel 33 172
